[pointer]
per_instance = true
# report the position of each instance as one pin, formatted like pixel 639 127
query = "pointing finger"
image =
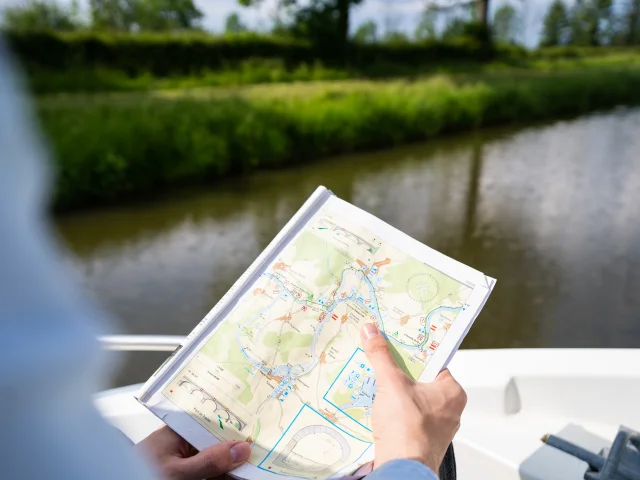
pixel 379 354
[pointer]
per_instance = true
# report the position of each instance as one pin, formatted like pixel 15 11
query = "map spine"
pixel 226 304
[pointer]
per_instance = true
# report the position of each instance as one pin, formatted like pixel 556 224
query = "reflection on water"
pixel 552 212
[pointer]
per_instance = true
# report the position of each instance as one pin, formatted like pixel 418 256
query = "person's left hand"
pixel 178 460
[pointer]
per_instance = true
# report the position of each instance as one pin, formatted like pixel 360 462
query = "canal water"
pixel 551 211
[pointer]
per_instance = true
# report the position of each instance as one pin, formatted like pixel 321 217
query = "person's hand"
pixel 178 460
pixel 410 420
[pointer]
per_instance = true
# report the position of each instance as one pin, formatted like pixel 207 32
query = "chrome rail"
pixel 140 343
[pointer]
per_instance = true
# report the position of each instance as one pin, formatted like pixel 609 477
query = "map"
pixel 285 370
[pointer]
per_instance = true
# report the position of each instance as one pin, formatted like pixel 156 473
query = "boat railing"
pixel 140 343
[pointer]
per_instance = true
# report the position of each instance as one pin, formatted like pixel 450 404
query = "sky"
pixel 401 15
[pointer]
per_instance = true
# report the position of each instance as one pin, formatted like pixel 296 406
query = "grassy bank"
pixel 109 150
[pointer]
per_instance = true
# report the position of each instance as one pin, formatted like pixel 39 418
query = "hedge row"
pixel 164 54
pixel 108 151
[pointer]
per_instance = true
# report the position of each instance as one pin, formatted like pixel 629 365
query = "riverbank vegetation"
pixel 138 45
pixel 109 150
pixel 135 95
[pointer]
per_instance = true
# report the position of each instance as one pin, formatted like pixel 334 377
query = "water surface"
pixel 551 211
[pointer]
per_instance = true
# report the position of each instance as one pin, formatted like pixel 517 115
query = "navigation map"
pixel 285 370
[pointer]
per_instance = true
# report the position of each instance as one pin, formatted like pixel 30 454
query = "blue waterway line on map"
pixel 299 370
pixel 427 325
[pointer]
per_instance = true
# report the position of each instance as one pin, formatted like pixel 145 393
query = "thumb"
pixel 379 354
pixel 216 460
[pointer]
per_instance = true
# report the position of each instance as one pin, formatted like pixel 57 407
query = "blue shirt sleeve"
pixel 402 469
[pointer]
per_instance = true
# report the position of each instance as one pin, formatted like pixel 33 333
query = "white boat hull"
pixel 515 397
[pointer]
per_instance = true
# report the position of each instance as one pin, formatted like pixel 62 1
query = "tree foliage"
pixel 150 15
pixel 455 28
pixel 555 25
pixel 367 32
pixel 38 15
pixel 426 28
pixel 505 24
pixel 590 21
pixel 630 24
pixel 324 22
pixel 234 24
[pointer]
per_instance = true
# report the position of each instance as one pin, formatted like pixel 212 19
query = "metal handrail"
pixel 140 343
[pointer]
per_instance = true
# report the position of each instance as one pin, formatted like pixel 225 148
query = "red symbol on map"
pixel 304 308
pixel 334 317
pixel 420 337
pixel 343 295
pixel 298 295
pixel 433 345
pixel 433 328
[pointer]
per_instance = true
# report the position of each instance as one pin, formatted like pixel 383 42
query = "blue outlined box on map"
pixel 313 447
pixel 354 389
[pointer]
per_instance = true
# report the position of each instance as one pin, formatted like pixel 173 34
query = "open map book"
pixel 278 361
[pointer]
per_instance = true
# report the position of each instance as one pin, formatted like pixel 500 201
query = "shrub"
pixel 108 150
pixel 184 54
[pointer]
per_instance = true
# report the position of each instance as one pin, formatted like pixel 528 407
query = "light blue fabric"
pixel 50 358
pixel 403 469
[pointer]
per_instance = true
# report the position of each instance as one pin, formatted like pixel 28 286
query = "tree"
pixel 321 20
pixel 367 32
pixel 631 23
pixel 587 21
pixel 426 29
pixel 394 36
pixel 555 25
pixel 458 11
pixel 174 14
pixel 505 24
pixel 234 24
pixel 154 15
pixel 454 28
pixel 482 12
pixel 117 15
pixel 40 15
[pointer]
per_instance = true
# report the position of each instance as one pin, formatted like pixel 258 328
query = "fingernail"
pixel 369 330
pixel 240 452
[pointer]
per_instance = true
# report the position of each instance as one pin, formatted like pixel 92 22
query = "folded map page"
pixel 285 370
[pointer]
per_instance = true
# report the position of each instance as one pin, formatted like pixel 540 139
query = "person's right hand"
pixel 410 420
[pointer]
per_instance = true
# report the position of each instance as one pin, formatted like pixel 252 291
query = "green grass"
pixel 118 146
